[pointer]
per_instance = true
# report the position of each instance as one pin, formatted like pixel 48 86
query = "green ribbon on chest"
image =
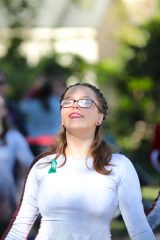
pixel 53 166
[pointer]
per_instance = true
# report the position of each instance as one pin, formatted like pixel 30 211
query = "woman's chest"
pixel 84 190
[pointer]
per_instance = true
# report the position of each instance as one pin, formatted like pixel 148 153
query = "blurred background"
pixel 46 45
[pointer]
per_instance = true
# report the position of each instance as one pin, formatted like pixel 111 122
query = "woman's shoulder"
pixel 122 165
pixel 121 161
pixel 119 158
pixel 14 133
pixel 41 166
pixel 45 159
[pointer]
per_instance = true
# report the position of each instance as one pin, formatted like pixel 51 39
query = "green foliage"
pixel 19 73
pixel 50 67
pixel 131 84
pixel 21 76
pixel 64 67
pixel 145 64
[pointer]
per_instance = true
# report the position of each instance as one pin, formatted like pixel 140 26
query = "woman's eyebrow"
pixel 82 97
pixel 86 97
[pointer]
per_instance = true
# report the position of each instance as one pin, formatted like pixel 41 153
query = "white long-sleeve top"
pixel 16 148
pixel 77 203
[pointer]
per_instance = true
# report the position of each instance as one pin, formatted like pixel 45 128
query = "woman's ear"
pixel 100 119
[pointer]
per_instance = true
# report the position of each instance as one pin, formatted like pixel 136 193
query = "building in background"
pixel 85 27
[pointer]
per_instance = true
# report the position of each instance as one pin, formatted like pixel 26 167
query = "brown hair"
pixel 100 150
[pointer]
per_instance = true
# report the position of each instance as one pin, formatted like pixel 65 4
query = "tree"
pixel 132 83
pixel 20 75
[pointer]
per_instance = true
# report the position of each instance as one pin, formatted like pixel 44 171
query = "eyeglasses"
pixel 83 103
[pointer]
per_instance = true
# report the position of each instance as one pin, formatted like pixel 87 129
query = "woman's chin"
pixel 77 128
pixel 81 129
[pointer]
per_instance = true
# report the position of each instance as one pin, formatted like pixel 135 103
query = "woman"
pixel 42 107
pixel 153 214
pixel 13 146
pixel 42 116
pixel 13 149
pixel 155 151
pixel 78 184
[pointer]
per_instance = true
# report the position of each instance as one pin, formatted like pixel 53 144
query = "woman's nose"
pixel 75 105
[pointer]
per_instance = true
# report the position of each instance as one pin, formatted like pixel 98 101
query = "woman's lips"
pixel 75 115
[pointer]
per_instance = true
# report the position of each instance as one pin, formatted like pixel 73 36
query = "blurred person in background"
pixel 155 152
pixel 8 201
pixel 3 84
pixel 153 214
pixel 16 118
pixel 42 113
pixel 38 84
pixel 13 149
pixel 78 184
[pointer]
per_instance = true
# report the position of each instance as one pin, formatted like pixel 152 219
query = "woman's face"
pixel 78 118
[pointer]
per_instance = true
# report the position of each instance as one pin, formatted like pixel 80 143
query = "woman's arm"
pixel 26 213
pixel 22 150
pixel 130 203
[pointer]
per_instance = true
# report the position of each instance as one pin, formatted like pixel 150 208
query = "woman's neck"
pixel 79 145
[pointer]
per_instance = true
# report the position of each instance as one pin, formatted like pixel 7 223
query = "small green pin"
pixel 53 166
